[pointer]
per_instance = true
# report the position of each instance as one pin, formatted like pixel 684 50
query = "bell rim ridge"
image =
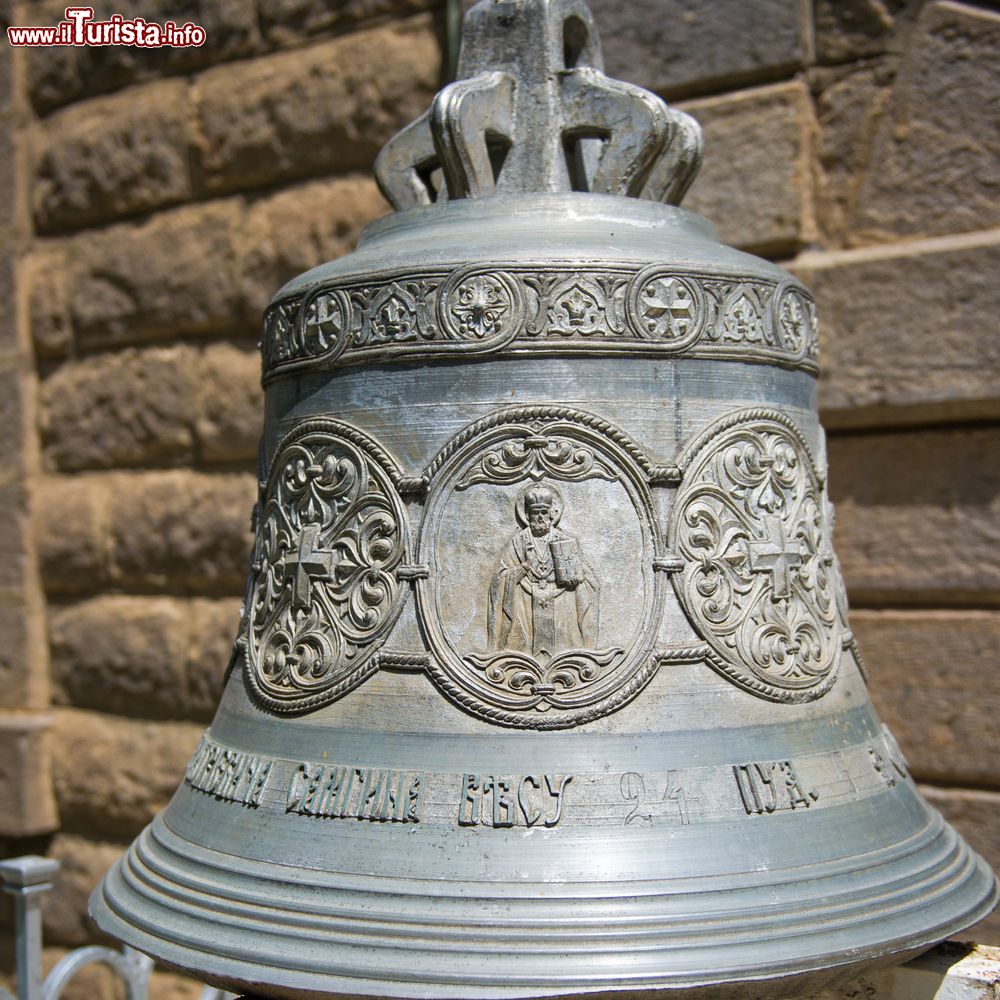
pixel 162 867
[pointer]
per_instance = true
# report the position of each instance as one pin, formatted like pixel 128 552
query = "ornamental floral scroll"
pixel 479 309
pixel 760 582
pixel 323 592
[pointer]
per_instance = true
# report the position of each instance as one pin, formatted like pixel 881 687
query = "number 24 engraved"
pixel 633 789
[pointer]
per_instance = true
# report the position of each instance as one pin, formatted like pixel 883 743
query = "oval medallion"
pixel 331 533
pixel 795 322
pixel 541 602
pixel 759 581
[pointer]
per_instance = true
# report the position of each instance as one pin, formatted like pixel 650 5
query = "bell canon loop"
pixel 544 682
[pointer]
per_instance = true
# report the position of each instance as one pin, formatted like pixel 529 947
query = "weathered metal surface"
pixel 950 972
pixel 545 683
pixel 533 111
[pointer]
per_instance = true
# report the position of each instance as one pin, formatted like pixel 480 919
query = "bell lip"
pixel 813 972
pixel 806 980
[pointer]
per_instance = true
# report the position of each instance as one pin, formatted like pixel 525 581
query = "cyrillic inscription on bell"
pixel 544 683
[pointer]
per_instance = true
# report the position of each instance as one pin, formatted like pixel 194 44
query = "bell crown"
pixel 533 111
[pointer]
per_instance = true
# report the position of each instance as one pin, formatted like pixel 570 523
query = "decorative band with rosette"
pixel 502 309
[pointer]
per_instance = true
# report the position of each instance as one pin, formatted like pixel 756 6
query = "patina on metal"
pixel 544 682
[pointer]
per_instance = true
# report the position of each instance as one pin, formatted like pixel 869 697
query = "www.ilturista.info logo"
pixel 80 28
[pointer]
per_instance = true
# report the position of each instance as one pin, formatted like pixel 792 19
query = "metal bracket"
pixel 27 879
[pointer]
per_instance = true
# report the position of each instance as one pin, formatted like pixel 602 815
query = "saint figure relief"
pixel 544 597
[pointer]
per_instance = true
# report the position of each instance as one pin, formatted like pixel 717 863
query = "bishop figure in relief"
pixel 544 597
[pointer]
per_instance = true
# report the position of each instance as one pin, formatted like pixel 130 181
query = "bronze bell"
pixel 545 683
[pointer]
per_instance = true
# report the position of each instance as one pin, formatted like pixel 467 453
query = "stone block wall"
pixel 156 201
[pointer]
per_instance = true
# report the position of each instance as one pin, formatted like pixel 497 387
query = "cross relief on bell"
pixel 775 555
pixel 308 563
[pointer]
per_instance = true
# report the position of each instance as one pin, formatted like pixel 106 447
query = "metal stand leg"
pixel 26 879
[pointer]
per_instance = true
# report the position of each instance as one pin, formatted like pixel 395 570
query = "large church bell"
pixel 544 682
